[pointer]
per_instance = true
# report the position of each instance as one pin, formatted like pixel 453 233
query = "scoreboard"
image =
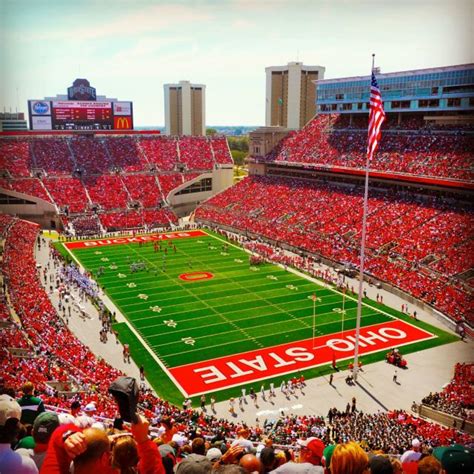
pixel 70 115
pixel 80 115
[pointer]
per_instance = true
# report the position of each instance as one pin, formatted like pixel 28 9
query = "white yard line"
pixel 307 277
pixel 243 340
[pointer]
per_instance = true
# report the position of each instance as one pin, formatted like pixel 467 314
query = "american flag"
pixel 376 117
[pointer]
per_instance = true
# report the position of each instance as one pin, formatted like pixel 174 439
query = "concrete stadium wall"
pixel 37 210
pixel 446 419
pixel 184 204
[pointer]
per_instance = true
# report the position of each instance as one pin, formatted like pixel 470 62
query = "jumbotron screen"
pixel 73 115
pixel 80 115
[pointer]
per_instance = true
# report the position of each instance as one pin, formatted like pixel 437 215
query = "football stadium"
pixel 170 305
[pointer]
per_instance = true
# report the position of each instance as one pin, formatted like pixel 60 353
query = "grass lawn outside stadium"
pixel 202 320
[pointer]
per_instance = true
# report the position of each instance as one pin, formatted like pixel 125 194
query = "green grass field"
pixel 240 309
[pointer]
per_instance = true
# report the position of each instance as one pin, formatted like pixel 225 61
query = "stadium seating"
pixel 416 152
pixel 169 181
pixel 109 171
pixel 195 153
pixel 326 219
pixel 143 188
pixel 125 154
pixel 107 190
pixel 15 157
pixel 84 224
pixel 160 152
pixel 128 219
pixel 67 192
pixel 91 155
pixel 30 186
pixel 457 397
pixel 221 150
pixel 73 360
pixel 159 217
pixel 133 219
pixel 53 156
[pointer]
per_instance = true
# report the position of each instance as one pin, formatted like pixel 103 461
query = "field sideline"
pixel 198 306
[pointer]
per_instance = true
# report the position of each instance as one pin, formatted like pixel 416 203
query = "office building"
pixel 185 109
pixel 291 95
pixel 12 122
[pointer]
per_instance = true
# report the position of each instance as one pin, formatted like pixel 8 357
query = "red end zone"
pixel 134 240
pixel 224 372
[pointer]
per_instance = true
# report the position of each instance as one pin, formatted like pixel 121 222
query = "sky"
pixel 128 49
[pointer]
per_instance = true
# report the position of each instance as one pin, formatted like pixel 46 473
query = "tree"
pixel 211 131
pixel 238 156
pixel 239 143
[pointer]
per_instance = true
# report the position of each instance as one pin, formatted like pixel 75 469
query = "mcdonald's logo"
pixel 121 123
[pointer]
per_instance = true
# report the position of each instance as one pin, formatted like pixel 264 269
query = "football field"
pixel 202 319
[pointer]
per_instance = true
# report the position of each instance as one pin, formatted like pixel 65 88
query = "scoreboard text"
pixel 71 115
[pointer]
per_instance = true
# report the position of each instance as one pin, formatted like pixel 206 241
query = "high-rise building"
pixel 185 108
pixel 291 95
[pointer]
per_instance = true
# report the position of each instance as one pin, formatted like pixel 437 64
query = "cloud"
pixel 142 20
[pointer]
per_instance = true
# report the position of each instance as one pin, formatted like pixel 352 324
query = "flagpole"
pixel 362 260
pixel 343 308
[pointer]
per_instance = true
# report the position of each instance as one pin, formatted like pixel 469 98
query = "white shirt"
pixel 11 461
pixel 410 455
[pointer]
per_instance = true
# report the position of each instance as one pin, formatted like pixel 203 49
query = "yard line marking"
pixel 185 288
pixel 230 303
pixel 241 319
pixel 314 280
pixel 243 340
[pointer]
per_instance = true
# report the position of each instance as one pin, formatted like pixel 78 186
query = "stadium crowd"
pixel 108 173
pixel 417 152
pixel 457 398
pixel 87 407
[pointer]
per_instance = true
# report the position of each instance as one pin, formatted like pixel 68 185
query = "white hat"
pixel 161 430
pixel 9 408
pixel 179 439
pixel 214 454
pixel 90 407
pixel 416 443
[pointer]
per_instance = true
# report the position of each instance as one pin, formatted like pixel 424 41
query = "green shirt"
pixel 31 407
